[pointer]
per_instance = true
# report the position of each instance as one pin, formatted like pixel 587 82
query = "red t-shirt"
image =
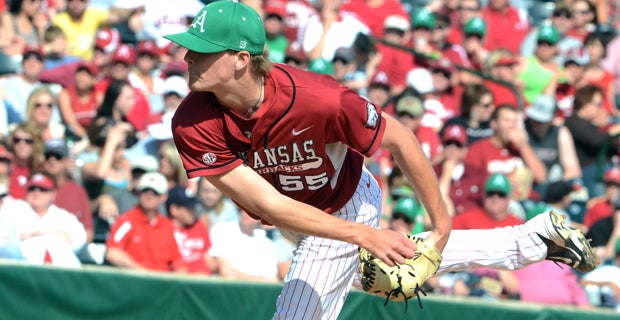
pixel 604 82
pixel 478 219
pixel 505 29
pixel 466 192
pixel 73 198
pixel 429 141
pixel 307 138
pixel 84 112
pixel 150 243
pixel 483 154
pixel 374 16
pixel 601 209
pixel 395 63
pixel 194 242
pixel 501 94
pixel 17 181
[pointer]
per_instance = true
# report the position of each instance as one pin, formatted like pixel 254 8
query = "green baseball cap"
pixel 498 183
pixel 423 18
pixel 407 206
pixel 223 25
pixel 475 25
pixel 548 33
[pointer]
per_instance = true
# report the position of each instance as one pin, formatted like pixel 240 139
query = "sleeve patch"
pixel 372 116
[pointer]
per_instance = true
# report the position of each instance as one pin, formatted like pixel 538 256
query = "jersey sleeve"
pixel 119 234
pixel 361 125
pixel 200 139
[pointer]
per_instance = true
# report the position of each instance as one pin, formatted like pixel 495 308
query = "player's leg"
pixel 546 236
pixel 323 270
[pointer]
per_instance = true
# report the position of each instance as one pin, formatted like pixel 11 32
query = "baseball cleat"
pixel 565 244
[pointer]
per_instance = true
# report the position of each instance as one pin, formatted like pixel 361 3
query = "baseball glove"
pixel 402 281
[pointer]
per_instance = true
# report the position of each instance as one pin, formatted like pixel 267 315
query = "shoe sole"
pixel 575 242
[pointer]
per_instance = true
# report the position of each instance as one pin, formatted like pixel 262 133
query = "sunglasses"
pixel 38 189
pixel 453 143
pixel 562 14
pixel 470 9
pixel 30 55
pixel 17 140
pixel 473 35
pixel 49 156
pixel 39 105
pixel 76 1
pixel 423 28
pixel 545 43
pixel 440 27
pixel 491 194
pixel 582 12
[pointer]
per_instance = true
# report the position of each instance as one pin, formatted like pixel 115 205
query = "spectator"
pixel 40 106
pixel 494 212
pixel 143 77
pixel 11 210
pixel 81 22
pixel 159 124
pixel 507 26
pixel 446 85
pixel 474 33
pixel 507 151
pixel 558 197
pixel 585 125
pixel 243 252
pixel 5 165
pixel 23 26
pixel 453 52
pixel 110 205
pixel 123 61
pixel 545 283
pixel 327 31
pixel 460 184
pixel 192 236
pixel 606 278
pixel 171 166
pixel 55 48
pixel 295 56
pixel 435 114
pixel 409 112
pixel 378 90
pixel 407 216
pixel 611 63
pixel 467 10
pixel 501 65
pixel 55 235
pixel 23 83
pixel 539 72
pixel 603 206
pixel 476 109
pixel 375 13
pixel 395 62
pixel 596 75
pixel 277 42
pixel 583 17
pixel 605 234
pixel 214 207
pixel 574 68
pixel 422 24
pixel 552 144
pixel 79 103
pixel 142 238
pixel 26 144
pixel 567 46
pixel 107 41
pixel 70 195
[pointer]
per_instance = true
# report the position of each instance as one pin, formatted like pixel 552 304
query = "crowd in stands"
pixel 515 103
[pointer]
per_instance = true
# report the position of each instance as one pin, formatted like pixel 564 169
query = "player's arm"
pixel 409 156
pixel 255 194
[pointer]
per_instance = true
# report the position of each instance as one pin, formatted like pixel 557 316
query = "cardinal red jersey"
pixel 194 242
pixel 478 219
pixel 307 139
pixel 485 155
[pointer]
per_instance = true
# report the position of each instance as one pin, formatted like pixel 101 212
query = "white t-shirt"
pixel 342 33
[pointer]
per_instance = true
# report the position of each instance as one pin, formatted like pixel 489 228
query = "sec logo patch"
pixel 209 158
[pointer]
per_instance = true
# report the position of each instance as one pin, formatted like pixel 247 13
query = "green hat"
pixel 475 25
pixel 498 183
pixel 223 25
pixel 423 18
pixel 407 206
pixel 548 33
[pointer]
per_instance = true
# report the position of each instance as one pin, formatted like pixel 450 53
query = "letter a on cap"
pixel 200 21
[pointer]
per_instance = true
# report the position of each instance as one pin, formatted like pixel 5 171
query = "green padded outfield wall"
pixel 38 292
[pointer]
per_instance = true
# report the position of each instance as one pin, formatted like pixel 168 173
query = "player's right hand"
pixel 390 246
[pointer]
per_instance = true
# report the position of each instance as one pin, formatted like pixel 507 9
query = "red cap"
pixel 295 51
pixel 275 7
pixel 148 46
pixel 612 175
pixel 42 181
pixel 4 153
pixel 380 79
pixel 89 66
pixel 506 61
pixel 456 133
pixel 125 53
pixel 108 40
pixel 174 68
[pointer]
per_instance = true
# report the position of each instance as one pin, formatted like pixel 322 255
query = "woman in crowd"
pixel 170 165
pixel 27 146
pixel 39 108
pixel 476 110
pixel 595 74
pixel 214 207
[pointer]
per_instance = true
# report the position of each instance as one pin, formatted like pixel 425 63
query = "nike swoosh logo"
pixel 296 133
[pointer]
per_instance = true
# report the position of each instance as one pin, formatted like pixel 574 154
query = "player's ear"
pixel 242 59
